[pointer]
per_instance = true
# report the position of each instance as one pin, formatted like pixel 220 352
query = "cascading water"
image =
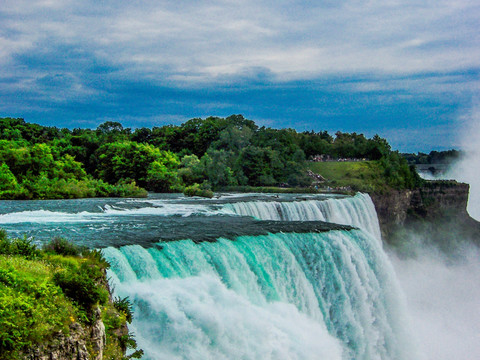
pixel 284 286
pixel 357 211
pixel 331 295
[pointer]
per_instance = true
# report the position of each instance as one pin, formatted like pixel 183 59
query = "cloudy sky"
pixel 405 69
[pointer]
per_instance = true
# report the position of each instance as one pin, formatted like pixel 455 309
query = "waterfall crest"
pixel 326 295
pixel 357 211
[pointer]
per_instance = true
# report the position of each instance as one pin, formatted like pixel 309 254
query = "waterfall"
pixel 357 211
pixel 329 295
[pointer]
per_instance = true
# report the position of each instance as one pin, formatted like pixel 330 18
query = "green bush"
pixel 40 297
pixel 81 286
pixel 61 246
pixel 126 188
pixel 196 190
pixel 23 247
pixel 128 342
pixel 31 306
pixel 124 306
pixel 96 257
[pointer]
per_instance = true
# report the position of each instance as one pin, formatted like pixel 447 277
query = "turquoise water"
pixel 99 223
pixel 272 281
pixel 280 296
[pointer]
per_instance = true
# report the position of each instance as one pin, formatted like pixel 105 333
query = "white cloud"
pixel 210 39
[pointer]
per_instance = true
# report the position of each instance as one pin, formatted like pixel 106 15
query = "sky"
pixel 406 70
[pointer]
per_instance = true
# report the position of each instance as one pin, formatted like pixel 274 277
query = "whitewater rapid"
pixel 116 222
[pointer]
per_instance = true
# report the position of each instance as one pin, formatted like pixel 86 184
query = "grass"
pixel 43 291
pixel 32 306
pixel 267 189
pixel 364 176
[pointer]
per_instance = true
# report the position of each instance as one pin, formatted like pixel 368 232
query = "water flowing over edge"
pixel 358 211
pixel 280 296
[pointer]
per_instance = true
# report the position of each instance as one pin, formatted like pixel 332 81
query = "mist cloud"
pixel 442 297
pixel 467 169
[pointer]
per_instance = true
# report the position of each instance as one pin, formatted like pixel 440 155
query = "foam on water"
pixel 357 211
pixel 280 296
pixel 107 212
pixel 46 216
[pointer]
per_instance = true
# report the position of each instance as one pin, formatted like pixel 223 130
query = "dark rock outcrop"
pixel 437 209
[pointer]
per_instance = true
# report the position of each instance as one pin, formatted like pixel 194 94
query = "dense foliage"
pixel 43 291
pixel 196 157
pixel 434 157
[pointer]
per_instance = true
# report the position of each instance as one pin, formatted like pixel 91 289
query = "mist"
pixel 443 302
pixel 467 169
pixel 443 290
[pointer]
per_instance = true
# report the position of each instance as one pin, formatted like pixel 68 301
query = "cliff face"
pixel 84 342
pixel 73 346
pixel 438 206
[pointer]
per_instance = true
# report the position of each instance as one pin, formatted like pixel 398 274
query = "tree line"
pixel 434 157
pixel 197 156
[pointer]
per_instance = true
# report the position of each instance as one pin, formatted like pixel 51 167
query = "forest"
pixel 434 157
pixel 196 157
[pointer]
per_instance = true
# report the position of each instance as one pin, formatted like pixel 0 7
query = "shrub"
pixel 97 257
pixel 196 190
pixel 128 342
pixel 124 306
pixel 61 246
pixel 31 306
pixel 23 247
pixel 81 286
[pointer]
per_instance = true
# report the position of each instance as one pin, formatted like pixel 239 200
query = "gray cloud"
pixel 197 41
pixel 380 65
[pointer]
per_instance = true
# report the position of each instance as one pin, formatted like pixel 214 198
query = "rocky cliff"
pixel 74 345
pixel 83 341
pixel 436 209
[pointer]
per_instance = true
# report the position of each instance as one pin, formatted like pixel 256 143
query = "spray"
pixel 468 168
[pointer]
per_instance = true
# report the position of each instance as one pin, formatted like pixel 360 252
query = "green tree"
pixel 8 181
pixel 217 170
pixel 260 166
pixel 131 160
pixel 191 170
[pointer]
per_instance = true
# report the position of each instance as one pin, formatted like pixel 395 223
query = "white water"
pixel 357 211
pixel 108 211
pixel 284 296
pixel 443 300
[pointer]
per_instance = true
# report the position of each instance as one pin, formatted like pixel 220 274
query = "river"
pixel 257 276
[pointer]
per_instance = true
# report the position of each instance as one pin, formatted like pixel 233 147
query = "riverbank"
pixel 56 304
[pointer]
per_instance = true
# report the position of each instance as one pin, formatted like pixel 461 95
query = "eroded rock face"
pixel 73 346
pixel 435 203
pixel 392 207
pixel 98 336
pixel 62 347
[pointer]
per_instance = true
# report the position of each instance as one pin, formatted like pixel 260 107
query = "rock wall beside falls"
pixel 87 341
pixel 75 344
pixel 437 207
